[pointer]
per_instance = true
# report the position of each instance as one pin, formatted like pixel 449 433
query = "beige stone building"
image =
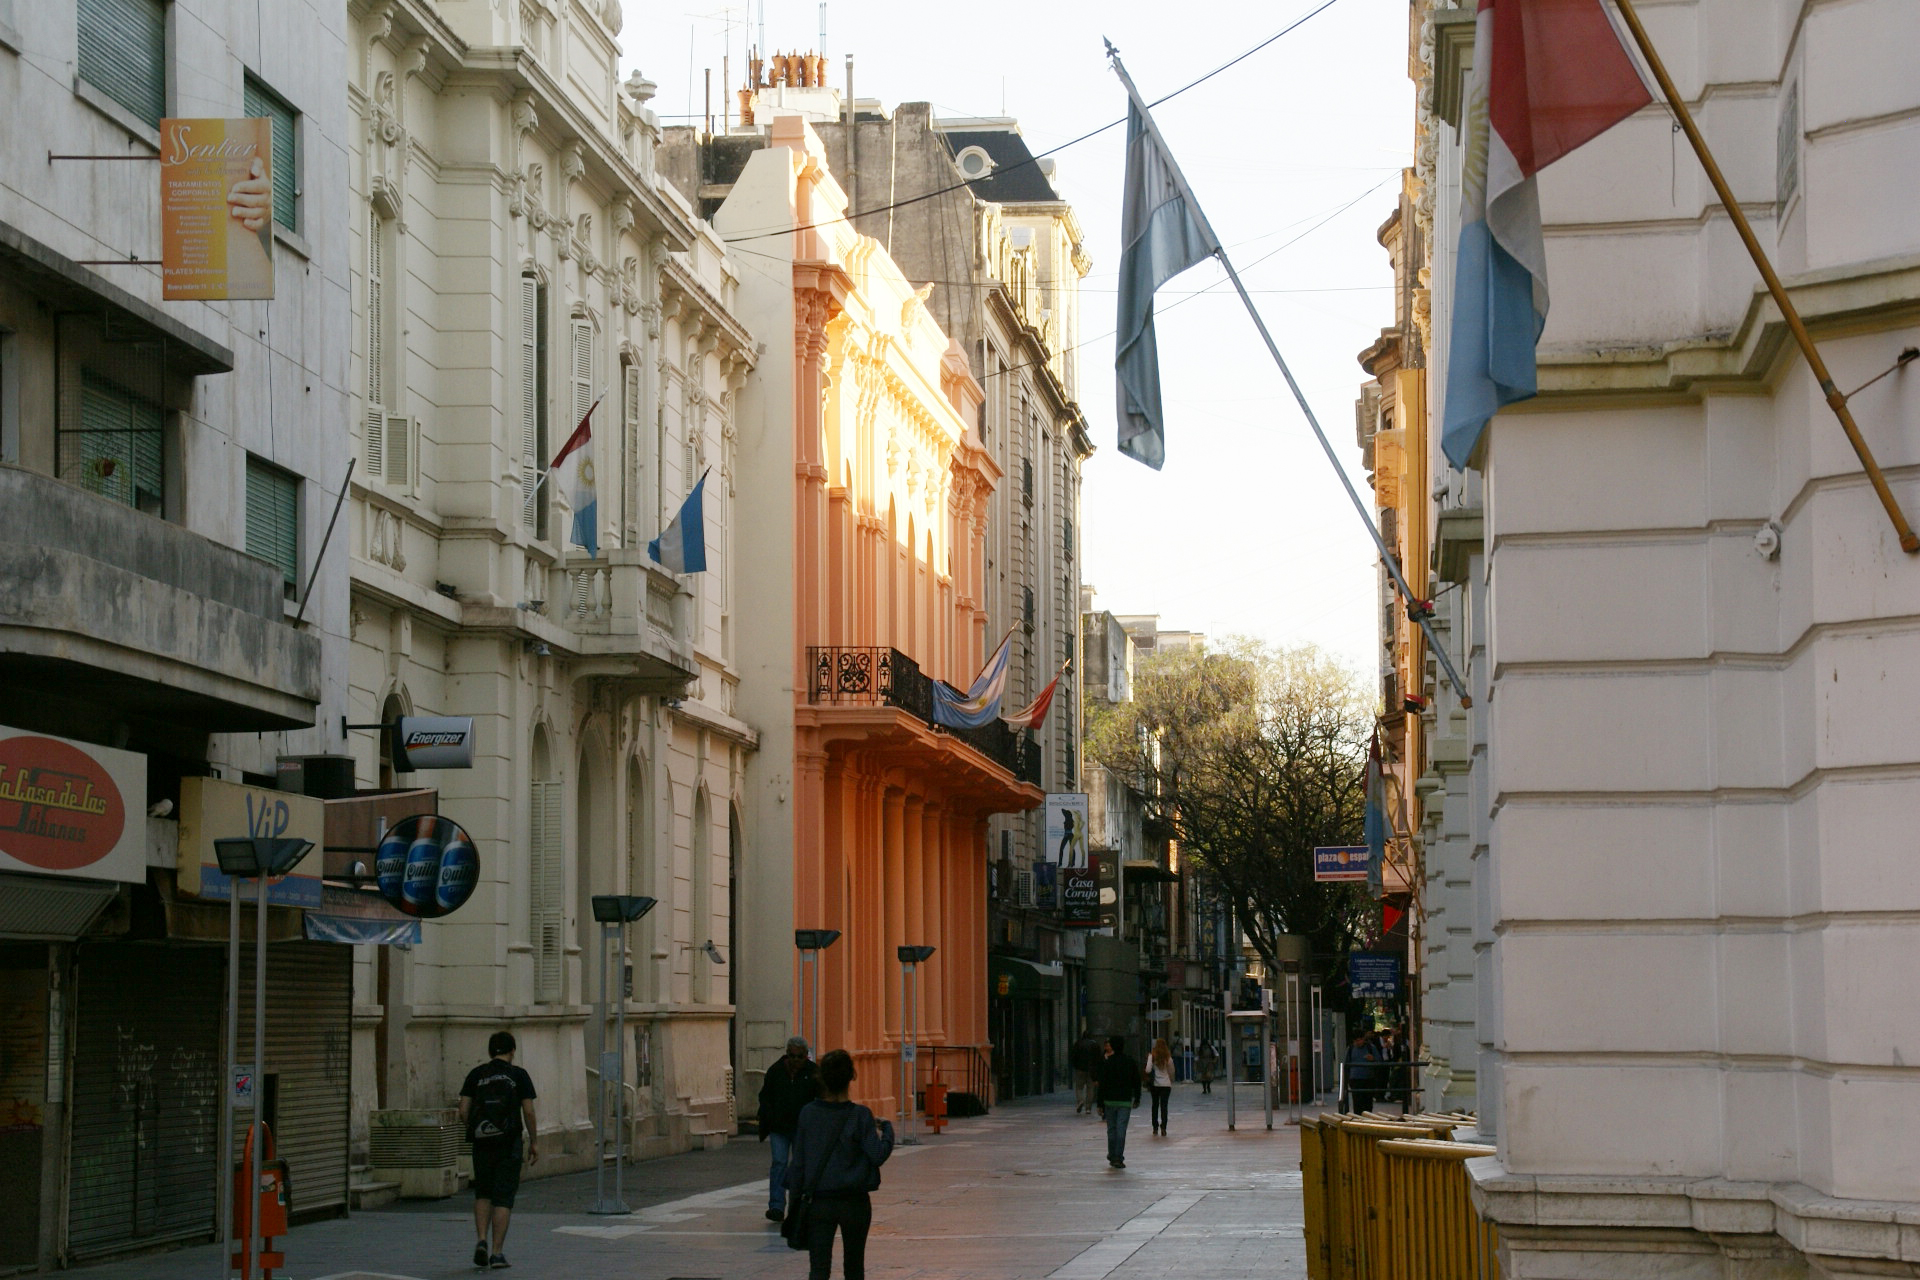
pixel 514 262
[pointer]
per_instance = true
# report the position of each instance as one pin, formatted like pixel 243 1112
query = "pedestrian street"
pixel 1021 1194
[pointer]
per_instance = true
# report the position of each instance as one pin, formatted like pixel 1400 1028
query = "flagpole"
pixel 1417 610
pixel 1836 399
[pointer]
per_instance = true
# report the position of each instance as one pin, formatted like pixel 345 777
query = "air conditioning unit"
pixel 420 1150
pixel 1023 889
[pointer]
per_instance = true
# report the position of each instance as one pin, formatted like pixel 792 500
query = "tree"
pixel 1251 756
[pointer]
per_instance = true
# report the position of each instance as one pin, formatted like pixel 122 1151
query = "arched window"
pixel 546 877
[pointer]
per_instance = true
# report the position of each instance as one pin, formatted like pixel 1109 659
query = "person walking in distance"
pixel 1084 1057
pixel 1118 1091
pixel 496 1106
pixel 1208 1066
pixel 1159 1081
pixel 1360 1059
pixel 791 1084
pixel 838 1148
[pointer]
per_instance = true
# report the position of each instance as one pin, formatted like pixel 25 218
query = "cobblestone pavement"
pixel 1022 1194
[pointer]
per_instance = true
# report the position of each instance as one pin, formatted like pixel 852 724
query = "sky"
pixel 1295 155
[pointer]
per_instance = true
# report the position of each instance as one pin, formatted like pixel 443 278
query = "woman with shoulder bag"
pixel 1159 1082
pixel 838 1149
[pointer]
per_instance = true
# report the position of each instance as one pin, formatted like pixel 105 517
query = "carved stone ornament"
pixel 386 121
pixel 573 161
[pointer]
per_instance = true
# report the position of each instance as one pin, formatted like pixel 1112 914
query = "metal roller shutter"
pixel 123 53
pixel 309 1029
pixel 145 1120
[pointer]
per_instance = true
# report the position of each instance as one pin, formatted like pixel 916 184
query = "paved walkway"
pixel 1022 1194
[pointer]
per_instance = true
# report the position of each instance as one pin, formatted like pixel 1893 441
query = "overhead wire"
pixel 1036 158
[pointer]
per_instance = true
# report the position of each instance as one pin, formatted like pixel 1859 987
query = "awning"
pixel 1147 871
pixel 32 907
pixel 322 927
pixel 1016 979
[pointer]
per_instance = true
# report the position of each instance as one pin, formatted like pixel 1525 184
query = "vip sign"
pixel 212 809
pixel 71 808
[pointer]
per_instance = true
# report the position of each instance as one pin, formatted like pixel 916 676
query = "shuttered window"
pixel 123 53
pixel 116 451
pixel 636 470
pixel 260 101
pixel 273 518
pixel 533 403
pixel 546 880
pixel 373 437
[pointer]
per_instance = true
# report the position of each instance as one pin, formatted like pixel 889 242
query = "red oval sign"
pixel 59 809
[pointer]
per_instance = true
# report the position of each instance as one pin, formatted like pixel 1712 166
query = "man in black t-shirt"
pixel 496 1106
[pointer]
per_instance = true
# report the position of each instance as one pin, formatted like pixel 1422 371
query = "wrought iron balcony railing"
pixel 876 675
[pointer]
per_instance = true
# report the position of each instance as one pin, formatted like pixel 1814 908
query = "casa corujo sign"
pixel 71 809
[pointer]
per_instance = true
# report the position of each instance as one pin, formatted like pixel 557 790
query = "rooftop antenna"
pixel 763 26
pixel 823 28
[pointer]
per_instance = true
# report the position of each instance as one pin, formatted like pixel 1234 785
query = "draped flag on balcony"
pixel 980 705
pixel 683 547
pixel 1034 714
pixel 1548 76
pixel 1162 233
pixel 574 462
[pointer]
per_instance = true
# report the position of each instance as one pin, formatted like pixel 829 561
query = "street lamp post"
pixel 811 943
pixel 256 858
pixel 911 958
pixel 614 911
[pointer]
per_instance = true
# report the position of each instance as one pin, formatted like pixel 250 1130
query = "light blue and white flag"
pixel 1162 232
pixel 575 464
pixel 683 547
pixel 981 703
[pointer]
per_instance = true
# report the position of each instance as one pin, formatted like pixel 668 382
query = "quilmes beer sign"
pixel 427 866
pixel 71 808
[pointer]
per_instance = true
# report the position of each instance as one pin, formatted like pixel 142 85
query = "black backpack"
pixel 494 1112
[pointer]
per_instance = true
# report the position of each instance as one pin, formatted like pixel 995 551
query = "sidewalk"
pixel 1022 1194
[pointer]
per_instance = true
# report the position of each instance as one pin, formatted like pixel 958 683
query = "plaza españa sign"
pixel 1337 863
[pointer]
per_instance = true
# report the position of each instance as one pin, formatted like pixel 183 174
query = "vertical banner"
pixel 216 209
pixel 1066 843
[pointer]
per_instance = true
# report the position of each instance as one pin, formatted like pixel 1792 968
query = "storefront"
pixel 1023 1000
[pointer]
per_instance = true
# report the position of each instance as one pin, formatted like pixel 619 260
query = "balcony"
pixel 625 606
pixel 863 675
pixel 125 609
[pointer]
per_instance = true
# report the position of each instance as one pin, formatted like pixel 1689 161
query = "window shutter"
pixel 374 426
pixel 582 372
pixel 273 525
pixel 119 445
pixel 547 924
pixel 529 399
pixel 123 53
pixel 402 445
pixel 630 422
pixel 259 101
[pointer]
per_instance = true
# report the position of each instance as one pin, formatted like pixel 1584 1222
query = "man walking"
pixel 496 1106
pixel 1118 1090
pixel 791 1084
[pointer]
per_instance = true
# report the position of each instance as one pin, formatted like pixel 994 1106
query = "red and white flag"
pixel 1034 714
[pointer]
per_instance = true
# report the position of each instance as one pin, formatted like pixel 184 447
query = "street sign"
pixel 909 1052
pixel 1337 863
pixel 1373 975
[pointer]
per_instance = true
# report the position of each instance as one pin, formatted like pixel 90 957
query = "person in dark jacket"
pixel 1084 1057
pixel 838 1148
pixel 1118 1091
pixel 791 1084
pixel 1362 1094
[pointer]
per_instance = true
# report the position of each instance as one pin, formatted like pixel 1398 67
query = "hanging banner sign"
pixel 1079 897
pixel 1066 843
pixel 433 742
pixel 427 866
pixel 1342 863
pixel 216 209
pixel 1373 975
pixel 214 809
pixel 72 809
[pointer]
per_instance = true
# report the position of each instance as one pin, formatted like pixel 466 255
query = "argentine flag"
pixel 683 547
pixel 980 705
pixel 575 464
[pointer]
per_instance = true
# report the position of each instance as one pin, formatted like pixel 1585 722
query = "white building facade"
pixel 1677 811
pixel 515 263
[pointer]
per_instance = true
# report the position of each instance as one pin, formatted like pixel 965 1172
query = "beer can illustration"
pixel 423 870
pixel 459 872
pixel 390 863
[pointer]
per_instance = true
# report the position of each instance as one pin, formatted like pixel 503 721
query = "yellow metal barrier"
pixel 1386 1199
